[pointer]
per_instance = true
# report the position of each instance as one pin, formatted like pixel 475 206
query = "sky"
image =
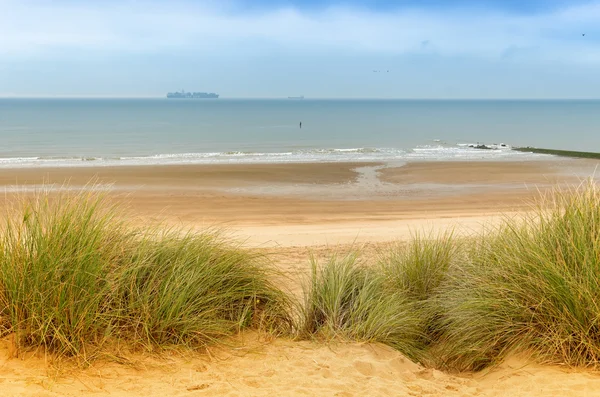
pixel 422 49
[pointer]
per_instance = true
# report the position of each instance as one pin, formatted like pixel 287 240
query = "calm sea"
pixel 51 132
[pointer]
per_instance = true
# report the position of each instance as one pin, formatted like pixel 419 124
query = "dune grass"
pixel 73 276
pixel 351 301
pixel 55 259
pixel 533 286
pixel 418 268
pixel 194 289
pixel 415 271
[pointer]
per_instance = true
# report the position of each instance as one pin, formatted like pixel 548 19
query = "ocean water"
pixel 95 132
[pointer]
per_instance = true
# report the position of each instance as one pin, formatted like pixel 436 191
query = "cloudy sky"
pixel 316 48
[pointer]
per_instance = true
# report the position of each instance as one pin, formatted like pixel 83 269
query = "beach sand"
pixel 287 368
pixel 290 211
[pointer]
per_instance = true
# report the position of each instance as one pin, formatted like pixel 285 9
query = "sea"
pixel 112 132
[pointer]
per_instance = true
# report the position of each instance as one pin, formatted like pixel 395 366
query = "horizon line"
pixel 301 99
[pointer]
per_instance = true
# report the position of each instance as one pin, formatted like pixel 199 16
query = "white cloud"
pixel 31 28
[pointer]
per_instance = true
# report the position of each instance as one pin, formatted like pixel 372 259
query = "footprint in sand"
pixel 379 352
pixel 426 374
pixel 201 368
pixel 401 365
pixel 326 374
pixel 364 368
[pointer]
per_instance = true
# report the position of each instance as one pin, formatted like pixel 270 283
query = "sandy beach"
pixel 337 198
pixel 287 368
pixel 368 201
pixel 291 210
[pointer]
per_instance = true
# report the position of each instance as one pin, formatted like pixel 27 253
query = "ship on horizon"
pixel 296 97
pixel 192 95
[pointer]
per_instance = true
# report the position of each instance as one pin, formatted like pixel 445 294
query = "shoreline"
pixel 179 175
pixel 217 175
pixel 433 151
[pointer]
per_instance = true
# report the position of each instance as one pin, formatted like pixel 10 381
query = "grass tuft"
pixel 351 301
pixel 194 289
pixel 533 287
pixel 56 254
pixel 415 271
pixel 418 268
pixel 74 276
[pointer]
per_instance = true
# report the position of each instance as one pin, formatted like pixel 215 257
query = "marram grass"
pixel 73 276
pixel 533 286
pixel 56 255
pixel 416 270
pixel 193 289
pixel 348 300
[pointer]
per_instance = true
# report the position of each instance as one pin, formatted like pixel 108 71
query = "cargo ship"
pixel 192 95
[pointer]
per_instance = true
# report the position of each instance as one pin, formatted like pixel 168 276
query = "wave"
pixel 360 154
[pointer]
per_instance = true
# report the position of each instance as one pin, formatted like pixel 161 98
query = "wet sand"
pixel 329 199
pixel 311 193
pixel 187 177
pixel 484 172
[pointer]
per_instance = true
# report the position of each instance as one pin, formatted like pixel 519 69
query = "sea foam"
pixel 420 153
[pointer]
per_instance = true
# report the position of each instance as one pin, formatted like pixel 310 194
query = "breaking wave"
pixel 420 153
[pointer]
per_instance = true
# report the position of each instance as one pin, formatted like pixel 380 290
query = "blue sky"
pixel 320 49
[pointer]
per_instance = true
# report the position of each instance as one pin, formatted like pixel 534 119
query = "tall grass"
pixel 530 285
pixel 55 258
pixel 194 289
pixel 415 271
pixel 418 268
pixel 348 300
pixel 74 275
pixel 533 286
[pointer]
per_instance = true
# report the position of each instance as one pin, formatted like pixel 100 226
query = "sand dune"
pixel 290 211
pixel 286 368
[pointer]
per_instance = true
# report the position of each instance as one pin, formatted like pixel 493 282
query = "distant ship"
pixel 192 95
pixel 296 97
